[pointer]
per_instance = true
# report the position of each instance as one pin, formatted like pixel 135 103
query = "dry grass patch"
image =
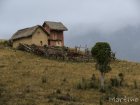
pixel 29 80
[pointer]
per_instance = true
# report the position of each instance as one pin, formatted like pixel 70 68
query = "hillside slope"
pixel 27 79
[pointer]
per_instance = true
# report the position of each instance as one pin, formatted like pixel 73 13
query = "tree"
pixel 102 55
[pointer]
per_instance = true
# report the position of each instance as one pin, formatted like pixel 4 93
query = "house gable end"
pixel 40 37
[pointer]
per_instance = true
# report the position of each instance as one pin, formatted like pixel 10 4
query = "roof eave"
pixel 13 39
pixel 60 29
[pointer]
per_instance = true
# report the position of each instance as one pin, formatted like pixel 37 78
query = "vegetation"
pixel 5 43
pixel 102 54
pixel 27 79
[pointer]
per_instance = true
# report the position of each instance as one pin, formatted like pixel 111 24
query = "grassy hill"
pixel 2 40
pixel 27 79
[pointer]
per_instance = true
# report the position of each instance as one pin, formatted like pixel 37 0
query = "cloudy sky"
pixel 88 21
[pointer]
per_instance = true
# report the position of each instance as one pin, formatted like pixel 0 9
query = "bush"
pixel 64 80
pixel 58 91
pixel 121 77
pixel 101 100
pixel 82 84
pixel 2 89
pixel 93 77
pixel 88 84
pixel 27 89
pixel 44 79
pixel 5 43
pixel 114 82
pixel 117 81
pixel 135 84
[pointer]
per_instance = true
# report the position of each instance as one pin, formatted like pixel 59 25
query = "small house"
pixel 56 31
pixel 32 35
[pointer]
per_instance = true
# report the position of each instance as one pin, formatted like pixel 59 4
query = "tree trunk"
pixel 102 81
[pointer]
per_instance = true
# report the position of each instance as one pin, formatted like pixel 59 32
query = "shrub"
pixel 5 43
pixel 121 77
pixel 114 82
pixel 2 89
pixel 27 89
pixel 50 100
pixel 87 84
pixel 135 84
pixel 117 81
pixel 101 101
pixel 58 91
pixel 82 85
pixel 64 80
pixel 93 78
pixel 44 79
pixel 79 86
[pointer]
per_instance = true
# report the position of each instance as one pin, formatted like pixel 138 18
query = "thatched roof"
pixel 55 25
pixel 26 32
